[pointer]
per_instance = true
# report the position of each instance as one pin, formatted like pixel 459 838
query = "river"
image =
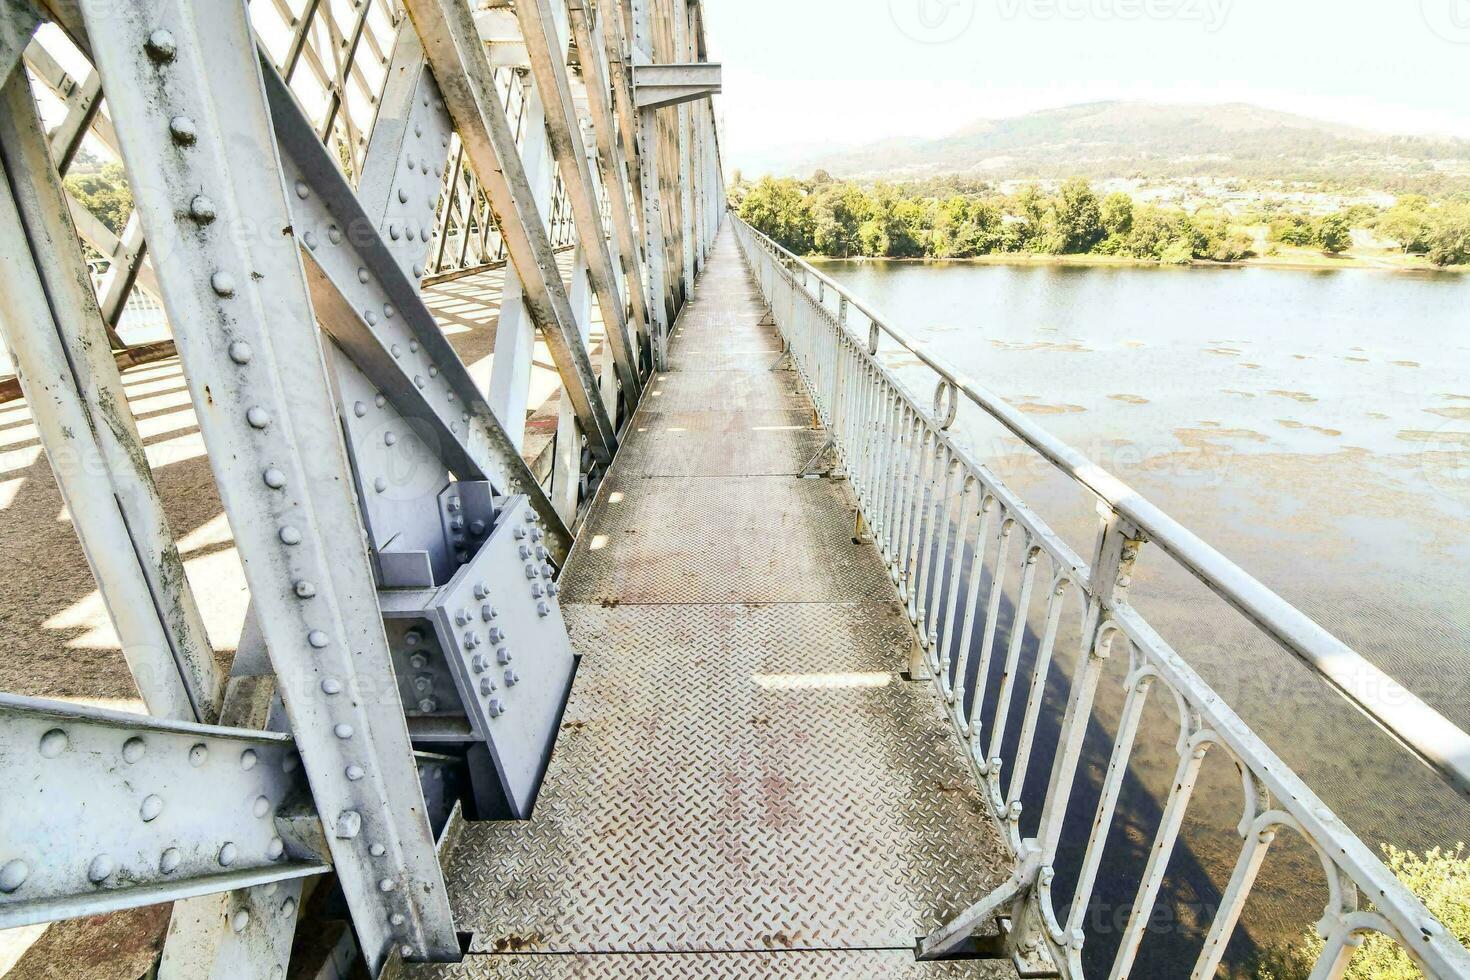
pixel 1313 426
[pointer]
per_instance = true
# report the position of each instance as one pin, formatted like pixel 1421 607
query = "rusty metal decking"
pixel 744 784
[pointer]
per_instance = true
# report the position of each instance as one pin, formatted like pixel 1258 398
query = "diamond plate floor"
pixel 744 784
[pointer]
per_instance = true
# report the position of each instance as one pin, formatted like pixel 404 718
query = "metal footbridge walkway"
pixel 745 784
pixel 493 557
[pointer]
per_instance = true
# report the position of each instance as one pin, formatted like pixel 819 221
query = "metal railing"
pixel 952 534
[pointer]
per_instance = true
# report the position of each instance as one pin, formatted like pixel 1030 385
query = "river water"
pixel 1314 427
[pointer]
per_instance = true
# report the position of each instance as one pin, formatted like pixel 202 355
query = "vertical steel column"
pixel 654 246
pixel 515 334
pixel 685 147
pixel 460 65
pixel 546 47
pixel 55 333
pixel 184 87
pixel 610 153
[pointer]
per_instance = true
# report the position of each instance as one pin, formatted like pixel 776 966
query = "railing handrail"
pixel 1430 736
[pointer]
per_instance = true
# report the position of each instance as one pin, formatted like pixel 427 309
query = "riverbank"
pixel 1302 260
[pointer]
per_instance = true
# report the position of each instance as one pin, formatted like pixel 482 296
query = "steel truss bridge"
pixel 685 641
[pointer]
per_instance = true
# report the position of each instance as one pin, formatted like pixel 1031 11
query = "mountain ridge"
pixel 1115 138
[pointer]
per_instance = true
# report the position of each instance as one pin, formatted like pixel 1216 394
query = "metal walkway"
pixel 744 784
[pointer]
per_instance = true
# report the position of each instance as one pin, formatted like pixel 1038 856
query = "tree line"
pixel 959 218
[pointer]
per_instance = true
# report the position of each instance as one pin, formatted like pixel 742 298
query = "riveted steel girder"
pixel 106 810
pixel 185 91
pixel 458 59
pixel 548 65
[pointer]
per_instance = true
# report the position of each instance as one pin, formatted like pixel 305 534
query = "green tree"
pixel 1292 228
pixel 1117 220
pixel 778 208
pixel 1441 880
pixel 838 212
pixel 1334 233
pixel 1448 239
pixel 1078 217
pixel 105 193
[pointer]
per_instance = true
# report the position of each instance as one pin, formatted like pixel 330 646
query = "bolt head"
pixel 161 46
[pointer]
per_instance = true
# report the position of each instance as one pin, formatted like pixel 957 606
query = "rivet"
pixel 100 868
pixel 275 849
pixel 387 885
pixel 201 209
pixel 183 131
pixel 388 310
pixel 389 438
pixel 396 919
pixel 409 161
pixel 343 731
pixel 227 854
pixel 433 370
pixel 160 46
pixel 290 762
pixel 261 807
pixel 355 773
pixel 317 638
pixel 198 754
pixel 362 275
pixel 133 749
pixel 274 478
pixel 258 417
pixel 409 231
pixel 418 129
pixel 406 950
pixel 393 232
pixel 240 352
pixel 302 191
pixel 288 907
pixel 310 239
pixel 413 346
pixel 395 351
pixel 331 685
pixel 304 589
pixel 349 824
pixel 151 808
pixel 418 380
pixel 247 760
pixel 402 196
pixel 380 400
pixel 169 862
pixel 334 235
pixel 289 535
pixel 240 920
pixel 359 409
pixel 380 484
pixel 377 850
pixel 13 875
pixel 418 270
pixel 53 743
pixel 224 285
pixel 371 318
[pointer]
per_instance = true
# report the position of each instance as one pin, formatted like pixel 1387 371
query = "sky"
pixel 807 74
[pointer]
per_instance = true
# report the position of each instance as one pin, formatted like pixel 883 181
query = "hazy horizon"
pixel 824 75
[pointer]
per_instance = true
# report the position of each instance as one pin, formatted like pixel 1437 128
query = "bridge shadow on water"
pixel 1191 890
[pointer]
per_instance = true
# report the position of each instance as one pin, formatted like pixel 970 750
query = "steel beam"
pixel 611 156
pixel 106 810
pixel 53 330
pixel 458 59
pixel 18 21
pixel 185 90
pixel 548 64
pixel 656 86
pixel 366 300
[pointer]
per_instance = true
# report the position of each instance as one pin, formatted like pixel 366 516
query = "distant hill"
pixel 1122 139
